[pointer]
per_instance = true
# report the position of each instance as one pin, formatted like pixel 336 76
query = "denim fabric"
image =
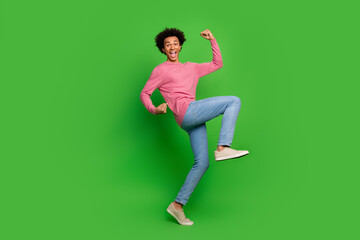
pixel 197 114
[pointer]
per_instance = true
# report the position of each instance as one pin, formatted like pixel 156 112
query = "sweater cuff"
pixel 152 109
pixel 213 40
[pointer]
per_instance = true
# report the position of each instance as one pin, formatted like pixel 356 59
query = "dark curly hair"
pixel 169 32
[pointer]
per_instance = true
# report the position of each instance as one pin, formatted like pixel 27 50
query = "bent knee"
pixel 204 166
pixel 236 100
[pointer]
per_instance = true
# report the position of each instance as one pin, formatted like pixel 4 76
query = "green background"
pixel 81 157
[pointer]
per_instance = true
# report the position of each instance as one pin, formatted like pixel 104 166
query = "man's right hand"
pixel 161 109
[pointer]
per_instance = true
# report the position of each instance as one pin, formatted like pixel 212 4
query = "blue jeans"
pixel 197 114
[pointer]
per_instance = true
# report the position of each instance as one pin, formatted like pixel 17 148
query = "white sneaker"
pixel 229 153
pixel 179 215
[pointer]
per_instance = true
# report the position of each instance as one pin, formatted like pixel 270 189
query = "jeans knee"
pixel 204 165
pixel 236 100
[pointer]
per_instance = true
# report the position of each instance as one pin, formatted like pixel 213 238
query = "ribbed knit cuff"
pixel 213 40
pixel 152 109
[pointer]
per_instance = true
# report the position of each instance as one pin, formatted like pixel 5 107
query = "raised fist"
pixel 207 34
pixel 161 109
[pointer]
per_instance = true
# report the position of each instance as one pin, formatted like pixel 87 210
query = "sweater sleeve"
pixel 203 69
pixel 150 86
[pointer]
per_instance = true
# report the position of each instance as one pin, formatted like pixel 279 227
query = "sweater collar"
pixel 171 63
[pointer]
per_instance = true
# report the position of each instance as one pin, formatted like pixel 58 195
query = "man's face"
pixel 172 48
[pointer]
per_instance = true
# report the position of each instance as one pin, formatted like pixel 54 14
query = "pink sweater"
pixel 177 82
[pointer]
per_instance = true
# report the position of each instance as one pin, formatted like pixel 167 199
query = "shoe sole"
pixel 230 157
pixel 187 224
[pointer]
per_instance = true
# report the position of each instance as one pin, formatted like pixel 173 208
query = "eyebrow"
pixel 169 41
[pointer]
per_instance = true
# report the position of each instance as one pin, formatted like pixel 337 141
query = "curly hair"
pixel 169 32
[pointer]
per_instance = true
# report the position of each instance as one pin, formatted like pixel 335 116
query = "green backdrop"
pixel 82 158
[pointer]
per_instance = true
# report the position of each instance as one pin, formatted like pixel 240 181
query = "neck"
pixel 176 61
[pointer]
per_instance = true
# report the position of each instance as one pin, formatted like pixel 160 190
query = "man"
pixel 177 83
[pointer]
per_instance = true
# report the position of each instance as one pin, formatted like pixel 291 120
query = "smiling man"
pixel 177 83
pixel 171 49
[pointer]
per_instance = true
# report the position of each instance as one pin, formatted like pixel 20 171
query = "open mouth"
pixel 173 54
